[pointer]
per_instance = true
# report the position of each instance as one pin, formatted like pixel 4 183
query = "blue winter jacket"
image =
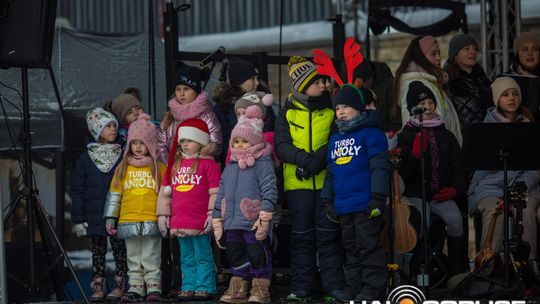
pixel 90 188
pixel 358 166
pixel 238 188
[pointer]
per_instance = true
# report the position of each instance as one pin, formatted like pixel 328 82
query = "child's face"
pixel 108 135
pixel 429 107
pixel 509 101
pixel 344 112
pixel 528 56
pixel 240 112
pixel 189 146
pixel 316 88
pixel 138 148
pixel 184 94
pixel 250 85
pixel 241 143
pixel 133 114
pixel 466 57
pixel 434 55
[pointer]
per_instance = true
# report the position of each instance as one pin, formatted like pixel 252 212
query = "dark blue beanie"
pixel 354 97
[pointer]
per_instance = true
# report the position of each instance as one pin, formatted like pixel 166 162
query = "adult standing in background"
pixel 422 62
pixel 468 83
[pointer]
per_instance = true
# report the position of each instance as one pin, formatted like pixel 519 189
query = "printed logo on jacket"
pixel 140 182
pixel 344 150
pixel 185 181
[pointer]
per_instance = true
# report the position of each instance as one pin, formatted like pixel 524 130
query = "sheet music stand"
pixel 500 146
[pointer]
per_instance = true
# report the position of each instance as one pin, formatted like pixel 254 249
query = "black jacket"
pixel 448 173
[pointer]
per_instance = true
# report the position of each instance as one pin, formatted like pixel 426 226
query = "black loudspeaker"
pixel 26 32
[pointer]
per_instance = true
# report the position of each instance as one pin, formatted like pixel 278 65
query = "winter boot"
pixel 98 292
pixel 116 294
pixel 457 254
pixel 153 291
pixel 260 291
pixel 237 292
pixel 136 293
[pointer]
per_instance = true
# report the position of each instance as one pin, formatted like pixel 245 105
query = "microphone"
pixel 220 51
pixel 223 71
pixel 418 110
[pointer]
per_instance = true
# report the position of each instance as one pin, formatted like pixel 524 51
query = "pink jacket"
pixel 199 108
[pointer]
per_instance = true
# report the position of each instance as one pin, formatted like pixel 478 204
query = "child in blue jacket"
pixel 93 173
pixel 357 182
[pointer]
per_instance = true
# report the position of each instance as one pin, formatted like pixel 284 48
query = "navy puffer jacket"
pixel 90 188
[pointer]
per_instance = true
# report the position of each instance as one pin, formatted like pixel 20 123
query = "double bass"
pixel 404 233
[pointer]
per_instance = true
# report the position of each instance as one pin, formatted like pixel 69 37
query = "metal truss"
pixel 500 23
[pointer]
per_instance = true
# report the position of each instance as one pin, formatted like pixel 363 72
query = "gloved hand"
pixel 80 229
pixel 330 212
pixel 416 144
pixel 303 173
pixel 208 223
pixel 376 205
pixel 217 226
pixel 110 225
pixel 262 225
pixel 163 224
pixel 445 194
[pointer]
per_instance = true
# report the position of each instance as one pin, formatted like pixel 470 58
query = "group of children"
pixel 164 181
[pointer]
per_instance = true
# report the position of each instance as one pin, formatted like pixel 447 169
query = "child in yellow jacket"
pixel 130 210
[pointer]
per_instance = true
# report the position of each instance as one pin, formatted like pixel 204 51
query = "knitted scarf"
pixel 104 156
pixel 247 157
pixel 193 109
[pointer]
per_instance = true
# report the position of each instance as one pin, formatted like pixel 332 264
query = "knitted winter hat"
pixel 502 84
pixel 260 99
pixel 249 127
pixel 97 119
pixel 457 43
pixel 302 72
pixel 418 92
pixel 523 38
pixel 354 97
pixel 144 130
pixel 240 71
pixel 122 104
pixel 189 76
pixel 363 70
pixel 426 43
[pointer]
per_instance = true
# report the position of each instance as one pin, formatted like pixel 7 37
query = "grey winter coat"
pixel 490 183
pixel 245 192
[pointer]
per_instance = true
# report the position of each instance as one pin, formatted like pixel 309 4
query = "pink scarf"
pixel 434 122
pixel 193 109
pixel 247 157
pixel 140 161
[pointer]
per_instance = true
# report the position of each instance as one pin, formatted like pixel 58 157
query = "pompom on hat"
pixel 260 99
pixel 302 72
pixel 97 119
pixel 249 127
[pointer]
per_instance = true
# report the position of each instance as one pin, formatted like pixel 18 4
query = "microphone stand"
pixel 422 279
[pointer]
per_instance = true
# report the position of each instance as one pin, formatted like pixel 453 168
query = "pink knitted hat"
pixel 144 130
pixel 426 43
pixel 249 127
